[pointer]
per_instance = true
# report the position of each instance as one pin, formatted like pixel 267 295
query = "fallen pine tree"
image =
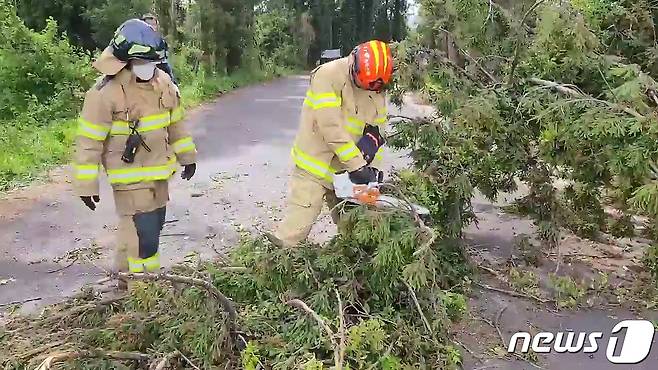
pixel 559 96
pixel 374 297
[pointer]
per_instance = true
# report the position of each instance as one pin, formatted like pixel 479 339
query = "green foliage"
pixel 367 265
pixel 547 93
pixel 43 79
pixel 524 281
pixel 48 82
pixel 584 214
pixel 105 16
pixel 388 323
pixel 43 92
pixel 279 38
pixel 568 293
pixel 455 305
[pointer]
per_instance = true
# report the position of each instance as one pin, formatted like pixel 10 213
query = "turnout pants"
pixel 306 196
pixel 141 218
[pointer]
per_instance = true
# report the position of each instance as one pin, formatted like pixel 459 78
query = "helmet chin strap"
pixel 350 66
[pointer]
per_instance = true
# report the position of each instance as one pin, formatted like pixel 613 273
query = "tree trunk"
pixel 452 51
pixel 172 18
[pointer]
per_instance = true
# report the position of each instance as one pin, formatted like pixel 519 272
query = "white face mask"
pixel 144 71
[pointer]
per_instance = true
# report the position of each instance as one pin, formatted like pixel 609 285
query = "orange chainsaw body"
pixel 366 194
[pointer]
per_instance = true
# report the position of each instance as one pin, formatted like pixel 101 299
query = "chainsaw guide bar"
pixel 369 195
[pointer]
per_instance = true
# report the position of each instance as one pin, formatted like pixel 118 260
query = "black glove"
pixel 380 175
pixel 374 131
pixel 188 171
pixel 90 201
pixel 364 175
pixel 370 143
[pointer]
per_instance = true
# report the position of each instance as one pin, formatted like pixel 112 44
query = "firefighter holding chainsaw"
pixel 132 124
pixel 339 131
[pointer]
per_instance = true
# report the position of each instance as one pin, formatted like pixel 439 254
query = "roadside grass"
pixel 27 151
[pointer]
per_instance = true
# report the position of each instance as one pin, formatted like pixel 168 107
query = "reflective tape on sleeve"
pixel 380 154
pixel 355 126
pixel 347 151
pixel 91 130
pixel 323 100
pixel 86 171
pixel 312 165
pixel 184 145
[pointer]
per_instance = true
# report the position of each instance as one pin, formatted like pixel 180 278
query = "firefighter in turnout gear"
pixel 132 124
pixel 339 130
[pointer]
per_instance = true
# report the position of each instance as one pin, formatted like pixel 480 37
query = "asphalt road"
pixel 51 244
pixel 243 140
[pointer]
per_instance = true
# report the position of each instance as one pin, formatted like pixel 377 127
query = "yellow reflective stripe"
pixel 315 96
pixel 91 130
pixel 137 48
pixel 380 154
pixel 375 50
pixel 380 120
pixel 347 151
pixel 120 128
pixel 312 165
pixel 86 171
pixel 323 100
pixel 355 126
pixel 184 145
pixel 146 124
pixel 177 114
pixel 139 174
pixel 386 52
pixel 321 105
pixel 154 122
pixel 140 264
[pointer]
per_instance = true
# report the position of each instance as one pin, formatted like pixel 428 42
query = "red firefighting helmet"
pixel 373 65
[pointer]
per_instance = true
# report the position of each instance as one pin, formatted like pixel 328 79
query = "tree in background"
pixel 225 30
pixel 69 14
pixel 38 68
pixel 282 36
pixel 107 16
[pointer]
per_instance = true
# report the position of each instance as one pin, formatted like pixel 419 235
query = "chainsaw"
pixel 370 195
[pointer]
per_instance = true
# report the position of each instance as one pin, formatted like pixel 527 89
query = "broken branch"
pixel 341 331
pixel 497 324
pixel 73 355
pixel 513 294
pixel 226 303
pixel 162 364
pixel 572 92
pixel 189 362
pixel 20 302
pixel 517 47
pixel 470 58
pixel 297 303
pixel 65 267
pixel 490 14
pixel 420 310
pixel 39 350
